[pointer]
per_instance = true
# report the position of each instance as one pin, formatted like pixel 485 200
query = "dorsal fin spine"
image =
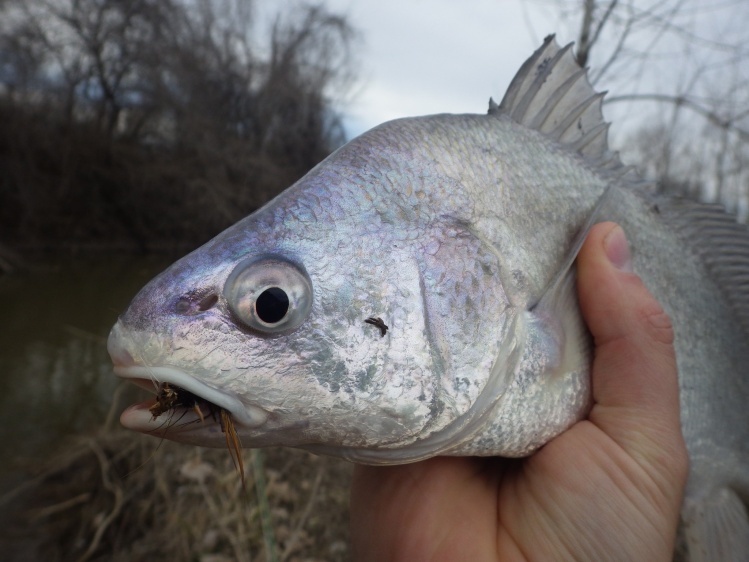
pixel 574 115
pixel 590 137
pixel 519 80
pixel 540 120
pixel 546 68
pixel 552 95
pixel 608 160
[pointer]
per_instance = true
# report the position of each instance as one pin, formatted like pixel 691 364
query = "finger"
pixel 634 380
pixel 635 364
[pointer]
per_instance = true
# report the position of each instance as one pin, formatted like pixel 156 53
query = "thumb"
pixel 635 380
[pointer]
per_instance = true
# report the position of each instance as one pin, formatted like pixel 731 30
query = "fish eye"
pixel 269 294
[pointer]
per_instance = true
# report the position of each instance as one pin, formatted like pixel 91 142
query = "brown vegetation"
pixel 121 496
pixel 155 124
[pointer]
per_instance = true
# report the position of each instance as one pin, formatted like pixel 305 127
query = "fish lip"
pixel 246 415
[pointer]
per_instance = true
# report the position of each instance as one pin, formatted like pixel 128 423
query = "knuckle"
pixel 656 322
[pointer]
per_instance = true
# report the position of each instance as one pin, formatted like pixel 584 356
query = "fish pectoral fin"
pixel 716 527
pixel 566 272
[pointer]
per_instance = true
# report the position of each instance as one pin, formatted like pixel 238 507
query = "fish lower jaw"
pixel 180 424
pixel 244 415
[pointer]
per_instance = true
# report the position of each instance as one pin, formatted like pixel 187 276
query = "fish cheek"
pixel 366 377
pixel 465 305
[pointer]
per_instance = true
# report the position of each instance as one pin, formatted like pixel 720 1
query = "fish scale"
pixel 459 233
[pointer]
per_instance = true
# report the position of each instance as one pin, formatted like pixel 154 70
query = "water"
pixel 55 374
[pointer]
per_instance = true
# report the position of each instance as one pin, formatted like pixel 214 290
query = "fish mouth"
pixel 139 417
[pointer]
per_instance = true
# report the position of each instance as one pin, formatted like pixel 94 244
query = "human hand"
pixel 609 488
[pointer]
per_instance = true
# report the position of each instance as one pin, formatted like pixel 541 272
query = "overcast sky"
pixel 437 56
pixel 421 57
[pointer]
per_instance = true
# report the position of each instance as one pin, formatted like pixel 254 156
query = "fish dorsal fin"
pixel 551 94
pixel 721 243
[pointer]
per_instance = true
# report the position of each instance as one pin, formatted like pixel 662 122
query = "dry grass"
pixel 125 497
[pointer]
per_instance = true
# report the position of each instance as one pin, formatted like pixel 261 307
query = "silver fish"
pixel 413 295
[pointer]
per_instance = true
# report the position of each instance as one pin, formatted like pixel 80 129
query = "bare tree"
pixel 680 70
pixel 152 121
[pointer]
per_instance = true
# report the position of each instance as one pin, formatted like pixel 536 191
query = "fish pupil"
pixel 272 305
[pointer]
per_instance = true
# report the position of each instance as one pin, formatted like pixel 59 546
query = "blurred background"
pixel 132 131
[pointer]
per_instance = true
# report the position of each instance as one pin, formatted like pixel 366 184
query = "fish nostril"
pixel 208 302
pixel 195 303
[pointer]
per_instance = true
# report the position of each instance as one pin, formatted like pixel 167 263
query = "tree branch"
pixel 683 101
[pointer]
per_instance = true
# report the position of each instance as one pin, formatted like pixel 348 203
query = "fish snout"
pixel 120 356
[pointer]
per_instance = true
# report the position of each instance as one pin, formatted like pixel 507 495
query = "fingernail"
pixel 617 249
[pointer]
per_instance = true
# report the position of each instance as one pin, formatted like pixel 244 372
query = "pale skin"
pixel 609 488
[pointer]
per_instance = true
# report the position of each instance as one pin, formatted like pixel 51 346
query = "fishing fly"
pixel 170 398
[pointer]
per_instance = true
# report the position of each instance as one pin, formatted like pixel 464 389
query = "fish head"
pixel 316 321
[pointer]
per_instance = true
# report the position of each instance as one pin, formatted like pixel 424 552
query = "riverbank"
pixel 117 495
